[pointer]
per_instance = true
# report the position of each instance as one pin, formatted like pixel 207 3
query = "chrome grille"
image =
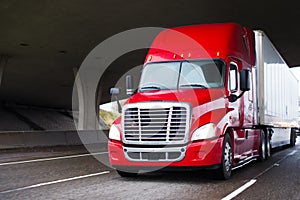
pixel 155 123
pixel 155 154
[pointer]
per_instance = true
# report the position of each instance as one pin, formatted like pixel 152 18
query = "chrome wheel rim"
pixel 263 148
pixel 268 148
pixel 227 157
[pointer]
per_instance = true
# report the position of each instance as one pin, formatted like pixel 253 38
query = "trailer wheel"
pixel 127 174
pixel 262 147
pixel 293 138
pixel 268 146
pixel 224 172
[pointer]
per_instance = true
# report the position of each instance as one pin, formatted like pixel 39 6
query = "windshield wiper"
pixel 152 87
pixel 193 85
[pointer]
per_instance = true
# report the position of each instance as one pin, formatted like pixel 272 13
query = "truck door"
pixel 239 136
pixel 249 105
pixel 242 116
pixel 233 89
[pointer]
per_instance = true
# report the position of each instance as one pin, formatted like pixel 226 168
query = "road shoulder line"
pixel 54 182
pixel 52 158
pixel 240 190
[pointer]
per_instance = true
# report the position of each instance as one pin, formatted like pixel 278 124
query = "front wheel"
pixel 224 172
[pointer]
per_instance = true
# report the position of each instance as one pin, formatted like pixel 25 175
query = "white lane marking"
pixel 252 181
pixel 292 153
pixel 54 182
pixel 53 158
pixel 240 190
pixel 276 164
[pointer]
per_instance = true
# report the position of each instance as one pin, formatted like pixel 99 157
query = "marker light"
pixel 174 56
pixel 150 58
pixel 218 53
pixel 189 55
pixel 181 55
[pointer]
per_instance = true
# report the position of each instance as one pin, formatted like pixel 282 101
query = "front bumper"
pixel 196 154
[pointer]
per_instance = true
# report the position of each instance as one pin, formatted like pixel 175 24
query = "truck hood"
pixel 195 97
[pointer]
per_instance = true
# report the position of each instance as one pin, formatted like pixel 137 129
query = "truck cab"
pixel 196 104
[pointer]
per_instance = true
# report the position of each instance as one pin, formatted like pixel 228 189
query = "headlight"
pixel 206 131
pixel 114 133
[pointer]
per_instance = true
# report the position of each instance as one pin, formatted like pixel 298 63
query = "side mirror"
pixel 244 85
pixel 115 92
pixel 129 85
pixel 245 80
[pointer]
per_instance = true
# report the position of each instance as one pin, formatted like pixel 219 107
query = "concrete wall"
pixel 23 139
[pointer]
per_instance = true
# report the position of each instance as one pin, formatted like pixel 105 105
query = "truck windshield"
pixel 183 74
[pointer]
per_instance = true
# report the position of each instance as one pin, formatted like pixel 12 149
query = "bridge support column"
pixel 3 64
pixel 86 87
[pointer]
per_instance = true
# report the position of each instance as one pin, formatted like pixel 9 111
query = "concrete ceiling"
pixel 44 40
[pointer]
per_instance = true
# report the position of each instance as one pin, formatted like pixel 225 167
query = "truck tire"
pixel 224 172
pixel 293 138
pixel 127 174
pixel 268 146
pixel 262 147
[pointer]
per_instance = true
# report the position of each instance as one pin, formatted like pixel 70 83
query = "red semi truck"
pixel 210 96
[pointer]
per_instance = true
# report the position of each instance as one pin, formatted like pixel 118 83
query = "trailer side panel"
pixel 277 86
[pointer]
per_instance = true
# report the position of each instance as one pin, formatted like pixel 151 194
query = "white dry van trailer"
pixel 277 92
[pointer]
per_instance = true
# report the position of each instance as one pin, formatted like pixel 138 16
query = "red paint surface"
pixel 229 42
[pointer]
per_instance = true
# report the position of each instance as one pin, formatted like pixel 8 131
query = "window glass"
pixel 233 77
pixel 202 74
pixel 183 75
pixel 160 76
pixel 250 93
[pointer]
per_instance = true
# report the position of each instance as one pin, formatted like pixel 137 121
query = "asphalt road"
pixel 29 174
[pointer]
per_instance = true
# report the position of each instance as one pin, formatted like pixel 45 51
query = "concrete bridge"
pixel 44 43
